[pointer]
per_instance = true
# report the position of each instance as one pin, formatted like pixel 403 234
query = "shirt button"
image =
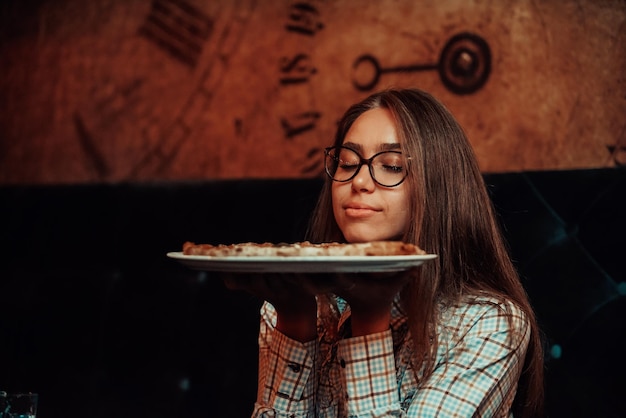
pixel 294 367
pixel 343 363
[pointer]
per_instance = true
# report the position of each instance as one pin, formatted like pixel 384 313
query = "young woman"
pixel 455 337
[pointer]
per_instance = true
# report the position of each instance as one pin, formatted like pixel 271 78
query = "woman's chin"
pixel 366 236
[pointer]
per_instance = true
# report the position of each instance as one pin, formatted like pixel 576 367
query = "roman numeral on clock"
pixel 178 28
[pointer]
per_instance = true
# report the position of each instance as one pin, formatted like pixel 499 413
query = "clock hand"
pixel 465 63
pixel 370 60
pixel 464 66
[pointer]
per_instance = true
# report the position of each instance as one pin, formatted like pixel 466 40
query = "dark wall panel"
pixel 90 305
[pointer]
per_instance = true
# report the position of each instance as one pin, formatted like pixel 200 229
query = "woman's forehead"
pixel 373 130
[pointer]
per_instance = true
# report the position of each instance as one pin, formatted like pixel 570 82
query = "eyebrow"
pixel 387 146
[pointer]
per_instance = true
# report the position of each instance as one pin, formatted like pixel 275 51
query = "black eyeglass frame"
pixel 366 161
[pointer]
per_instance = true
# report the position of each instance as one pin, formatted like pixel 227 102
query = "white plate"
pixel 319 264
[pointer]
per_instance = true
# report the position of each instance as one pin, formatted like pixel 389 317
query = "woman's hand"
pixel 295 305
pixel 370 297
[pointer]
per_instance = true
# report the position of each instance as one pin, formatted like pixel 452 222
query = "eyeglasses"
pixel 387 168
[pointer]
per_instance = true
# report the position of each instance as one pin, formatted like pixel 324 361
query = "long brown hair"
pixel 453 216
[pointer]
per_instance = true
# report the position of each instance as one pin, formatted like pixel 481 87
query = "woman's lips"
pixel 360 211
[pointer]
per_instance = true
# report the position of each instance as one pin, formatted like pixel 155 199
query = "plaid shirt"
pixel 478 364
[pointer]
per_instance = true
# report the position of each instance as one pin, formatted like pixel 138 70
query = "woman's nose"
pixel 363 179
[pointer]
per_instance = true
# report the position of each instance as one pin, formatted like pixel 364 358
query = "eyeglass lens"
pixel 386 168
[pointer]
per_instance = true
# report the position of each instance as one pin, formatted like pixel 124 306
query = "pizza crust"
pixel 303 249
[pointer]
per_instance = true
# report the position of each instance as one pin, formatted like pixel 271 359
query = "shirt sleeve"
pixel 287 377
pixel 368 370
pixel 479 375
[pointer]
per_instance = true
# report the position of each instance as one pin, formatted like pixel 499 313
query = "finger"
pixel 231 281
pixel 275 284
pixel 317 283
pixel 348 281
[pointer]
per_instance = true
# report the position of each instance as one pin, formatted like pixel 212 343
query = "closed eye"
pixel 394 168
pixel 347 165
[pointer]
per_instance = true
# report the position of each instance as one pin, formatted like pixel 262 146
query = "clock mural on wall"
pixel 196 89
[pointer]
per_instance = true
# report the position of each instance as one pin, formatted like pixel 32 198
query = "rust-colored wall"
pixel 141 90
